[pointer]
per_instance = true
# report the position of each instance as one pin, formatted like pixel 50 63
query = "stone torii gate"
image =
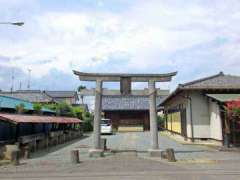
pixel 125 89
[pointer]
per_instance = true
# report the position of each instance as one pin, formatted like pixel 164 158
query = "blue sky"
pixel 197 39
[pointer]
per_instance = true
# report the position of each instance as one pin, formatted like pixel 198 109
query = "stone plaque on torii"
pixel 125 89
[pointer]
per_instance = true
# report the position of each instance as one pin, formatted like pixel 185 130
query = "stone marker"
pixel 164 155
pixel 155 152
pixel 75 157
pixel 15 155
pixel 26 152
pixel 170 155
pixel 8 152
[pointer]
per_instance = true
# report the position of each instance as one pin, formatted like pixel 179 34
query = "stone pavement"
pixel 127 164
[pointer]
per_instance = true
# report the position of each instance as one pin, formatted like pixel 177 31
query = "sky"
pixel 197 38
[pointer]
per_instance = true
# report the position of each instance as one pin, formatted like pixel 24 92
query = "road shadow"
pixel 188 151
pixel 145 151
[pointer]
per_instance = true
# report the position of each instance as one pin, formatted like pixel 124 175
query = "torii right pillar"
pixel 154 150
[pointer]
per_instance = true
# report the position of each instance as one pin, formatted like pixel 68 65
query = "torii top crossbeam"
pixel 114 77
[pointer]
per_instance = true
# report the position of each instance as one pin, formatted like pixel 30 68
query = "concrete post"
pixel 15 156
pixel 47 142
pixel 35 145
pixel 170 155
pixel 153 115
pixel 97 115
pixel 75 157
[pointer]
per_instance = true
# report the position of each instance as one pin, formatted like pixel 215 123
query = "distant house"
pixel 128 113
pixel 33 96
pixel 8 105
pixel 70 97
pixel 30 128
pixel 195 109
pixel 37 96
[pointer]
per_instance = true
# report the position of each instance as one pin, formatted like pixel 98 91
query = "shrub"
pixel 20 108
pixel 233 109
pixel 161 121
pixel 87 122
pixel 37 108
pixel 64 109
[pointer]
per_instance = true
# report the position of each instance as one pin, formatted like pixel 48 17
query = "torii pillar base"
pixel 155 152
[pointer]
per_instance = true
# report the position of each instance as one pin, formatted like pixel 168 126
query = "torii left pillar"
pixel 153 115
pixel 97 151
pixel 154 151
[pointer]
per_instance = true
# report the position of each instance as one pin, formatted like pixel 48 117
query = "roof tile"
pixel 16 118
pixel 127 102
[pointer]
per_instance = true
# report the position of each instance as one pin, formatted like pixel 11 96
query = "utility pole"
pixel 29 79
pixel 20 85
pixel 13 77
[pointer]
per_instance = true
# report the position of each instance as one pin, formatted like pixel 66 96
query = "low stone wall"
pixel 197 141
pixel 130 129
pixel 2 150
pixel 8 151
pixel 53 139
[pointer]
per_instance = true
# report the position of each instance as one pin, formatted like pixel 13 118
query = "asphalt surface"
pixel 130 161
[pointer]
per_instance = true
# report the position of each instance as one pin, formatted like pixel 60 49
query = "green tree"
pixel 64 109
pixel 161 119
pixel 81 87
pixel 87 121
pixel 78 112
pixel 37 108
pixel 86 117
pixel 20 108
pixel 236 111
pixel 52 106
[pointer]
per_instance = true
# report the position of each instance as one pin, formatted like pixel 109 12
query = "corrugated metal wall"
pixel 7 131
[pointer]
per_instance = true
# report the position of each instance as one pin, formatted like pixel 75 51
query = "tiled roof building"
pixel 37 96
pixel 33 96
pixel 127 102
pixel 196 109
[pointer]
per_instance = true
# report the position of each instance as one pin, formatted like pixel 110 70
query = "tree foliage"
pixel 233 109
pixel 161 120
pixel 64 109
pixel 81 87
pixel 87 121
pixel 20 108
pixel 37 108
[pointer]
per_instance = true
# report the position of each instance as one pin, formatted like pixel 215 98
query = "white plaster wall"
pixel 200 114
pixel 189 130
pixel 215 121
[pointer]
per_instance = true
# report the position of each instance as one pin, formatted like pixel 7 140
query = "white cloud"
pixel 146 34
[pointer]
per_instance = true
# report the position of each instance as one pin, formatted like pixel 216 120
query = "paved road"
pixel 127 164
